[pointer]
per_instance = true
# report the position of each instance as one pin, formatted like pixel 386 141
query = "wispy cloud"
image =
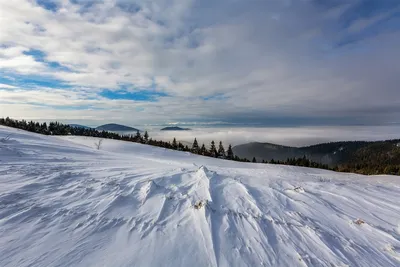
pixel 6 86
pixel 267 62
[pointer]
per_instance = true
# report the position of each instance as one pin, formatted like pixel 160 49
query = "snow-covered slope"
pixel 65 203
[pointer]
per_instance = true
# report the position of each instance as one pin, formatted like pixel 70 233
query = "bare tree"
pixel 98 144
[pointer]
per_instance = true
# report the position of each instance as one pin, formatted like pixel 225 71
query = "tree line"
pixel 382 157
pixel 302 162
pixel 378 158
pixel 57 128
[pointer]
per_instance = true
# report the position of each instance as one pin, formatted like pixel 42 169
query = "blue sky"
pixel 272 63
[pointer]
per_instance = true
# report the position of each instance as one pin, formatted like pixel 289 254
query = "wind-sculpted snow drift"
pixel 65 203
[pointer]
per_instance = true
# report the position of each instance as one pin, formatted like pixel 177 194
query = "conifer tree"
pixel 44 128
pixel 221 150
pixel 174 144
pixel 254 160
pixel 203 150
pixel 195 146
pixel 138 137
pixel 181 147
pixel 213 149
pixel 146 136
pixel 230 153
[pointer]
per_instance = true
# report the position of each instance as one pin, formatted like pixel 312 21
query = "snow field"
pixel 65 203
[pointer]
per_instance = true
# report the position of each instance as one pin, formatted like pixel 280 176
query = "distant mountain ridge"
pixel 174 128
pixel 357 154
pixel 326 153
pixel 266 151
pixel 80 126
pixel 116 127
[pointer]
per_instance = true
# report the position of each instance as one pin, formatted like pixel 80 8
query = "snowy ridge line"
pixel 65 203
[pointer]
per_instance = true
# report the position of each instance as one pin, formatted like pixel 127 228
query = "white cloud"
pixel 14 58
pixel 290 136
pixel 267 59
pixel 6 86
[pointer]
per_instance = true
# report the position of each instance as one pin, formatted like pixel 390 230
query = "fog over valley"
pixel 289 136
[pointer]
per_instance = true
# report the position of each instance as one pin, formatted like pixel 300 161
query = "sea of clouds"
pixel 290 136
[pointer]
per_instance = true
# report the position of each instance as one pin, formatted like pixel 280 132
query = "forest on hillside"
pixel 382 157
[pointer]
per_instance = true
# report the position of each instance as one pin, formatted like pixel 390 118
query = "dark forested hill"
pixel 79 126
pixel 352 156
pixel 113 127
pixel 266 151
pixel 174 128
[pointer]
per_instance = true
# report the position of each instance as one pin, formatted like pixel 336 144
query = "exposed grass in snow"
pixel 63 202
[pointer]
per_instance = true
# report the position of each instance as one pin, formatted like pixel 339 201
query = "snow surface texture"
pixel 65 203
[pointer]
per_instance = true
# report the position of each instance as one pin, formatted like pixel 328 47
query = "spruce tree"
pixel 213 149
pixel 203 150
pixel 181 147
pixel 254 160
pixel 230 153
pixel 138 137
pixel 174 144
pixel 221 150
pixel 44 128
pixel 146 136
pixel 195 146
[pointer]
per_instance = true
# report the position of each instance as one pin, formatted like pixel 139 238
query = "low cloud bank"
pixel 299 136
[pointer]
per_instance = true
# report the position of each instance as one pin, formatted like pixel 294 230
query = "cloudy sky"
pixel 239 62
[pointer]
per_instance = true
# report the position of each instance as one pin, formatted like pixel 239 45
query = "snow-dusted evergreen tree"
pixel 146 136
pixel 203 150
pixel 195 146
pixel 174 144
pixel 181 147
pixel 138 137
pixel 229 153
pixel 221 150
pixel 213 149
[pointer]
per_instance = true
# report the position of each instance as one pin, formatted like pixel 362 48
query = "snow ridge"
pixel 65 203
